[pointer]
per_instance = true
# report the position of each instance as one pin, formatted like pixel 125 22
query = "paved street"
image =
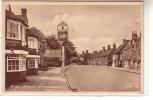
pixel 81 78
pixel 51 80
pixel 95 78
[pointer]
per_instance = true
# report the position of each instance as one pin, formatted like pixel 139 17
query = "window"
pixel 12 30
pixel 15 63
pixel 33 42
pixel 32 63
pixel 23 31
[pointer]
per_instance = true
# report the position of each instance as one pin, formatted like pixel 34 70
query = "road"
pixel 81 78
pixel 88 78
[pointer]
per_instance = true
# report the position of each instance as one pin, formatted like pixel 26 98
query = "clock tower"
pixel 62 31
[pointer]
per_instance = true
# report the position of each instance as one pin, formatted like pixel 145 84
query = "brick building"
pixel 15 46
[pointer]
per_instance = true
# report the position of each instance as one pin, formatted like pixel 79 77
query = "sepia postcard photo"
pixel 73 47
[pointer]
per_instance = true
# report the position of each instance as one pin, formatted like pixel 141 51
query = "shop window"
pixel 15 63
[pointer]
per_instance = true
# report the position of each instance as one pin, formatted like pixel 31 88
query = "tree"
pixel 52 42
pixel 33 31
pixel 69 51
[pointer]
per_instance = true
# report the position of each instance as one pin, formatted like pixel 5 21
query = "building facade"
pixel 15 46
pixel 102 58
pixel 33 58
pixel 128 54
pixel 117 62
pixel 131 54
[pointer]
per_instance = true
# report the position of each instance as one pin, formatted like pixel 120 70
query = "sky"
pixel 91 27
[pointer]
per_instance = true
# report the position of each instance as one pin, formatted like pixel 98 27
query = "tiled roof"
pixel 100 54
pixel 120 48
pixel 91 55
pixel 62 23
pixel 31 32
pixel 132 53
pixel 12 16
pixel 107 52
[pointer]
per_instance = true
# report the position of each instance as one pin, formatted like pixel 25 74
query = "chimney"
pixel 134 35
pixel 82 52
pixel 124 40
pixel 103 48
pixel 24 12
pixel 10 8
pixel 108 46
pixel 114 46
pixel 86 51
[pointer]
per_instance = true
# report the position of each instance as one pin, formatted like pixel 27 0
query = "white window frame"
pixel 22 67
pixel 29 66
pixel 18 32
pixel 33 42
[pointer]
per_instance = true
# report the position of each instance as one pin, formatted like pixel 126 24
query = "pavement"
pixel 127 70
pixel 88 78
pixel 51 80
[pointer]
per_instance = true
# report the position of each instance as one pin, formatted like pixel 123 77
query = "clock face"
pixel 62 27
pixel 63 36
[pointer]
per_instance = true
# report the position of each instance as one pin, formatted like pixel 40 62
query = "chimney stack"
pixel 86 51
pixel 124 40
pixel 10 8
pixel 95 51
pixel 24 12
pixel 114 46
pixel 134 35
pixel 83 52
pixel 103 48
pixel 108 47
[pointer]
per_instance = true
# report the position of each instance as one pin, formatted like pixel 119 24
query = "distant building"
pixel 128 54
pixel 84 57
pixel 53 58
pixel 15 45
pixel 131 54
pixel 103 57
pixel 117 62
